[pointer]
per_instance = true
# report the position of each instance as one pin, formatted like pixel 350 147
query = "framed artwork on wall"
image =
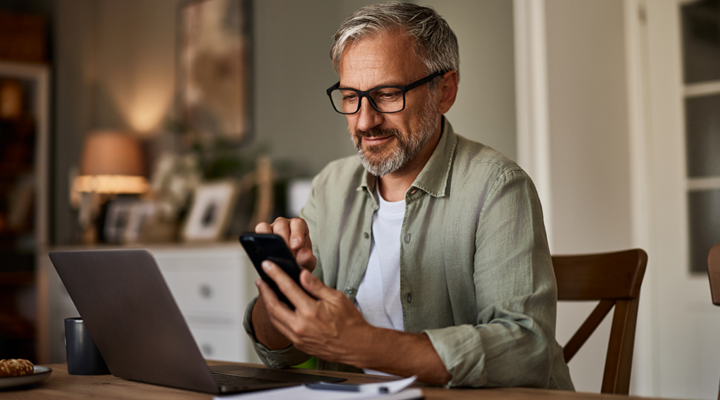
pixel 215 66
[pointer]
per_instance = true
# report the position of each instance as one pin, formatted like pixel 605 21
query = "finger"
pixel 263 227
pixel 266 292
pixel 274 307
pixel 315 286
pixel 299 234
pixel 306 259
pixel 287 286
pixel 281 227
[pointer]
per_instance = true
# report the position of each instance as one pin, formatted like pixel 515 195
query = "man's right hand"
pixel 297 236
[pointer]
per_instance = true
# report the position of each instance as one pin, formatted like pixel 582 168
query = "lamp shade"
pixel 112 162
pixel 112 153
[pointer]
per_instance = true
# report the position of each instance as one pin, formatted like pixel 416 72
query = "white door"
pixel 680 149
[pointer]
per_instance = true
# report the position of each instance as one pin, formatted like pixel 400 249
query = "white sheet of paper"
pixel 392 387
pixel 367 391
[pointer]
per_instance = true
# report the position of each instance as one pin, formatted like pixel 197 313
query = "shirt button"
pixel 407 238
pixel 409 298
pixel 349 290
pixel 366 235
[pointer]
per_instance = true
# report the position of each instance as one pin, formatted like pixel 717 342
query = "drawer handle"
pixel 206 349
pixel 205 291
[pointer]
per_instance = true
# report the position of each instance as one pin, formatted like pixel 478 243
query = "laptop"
pixel 138 328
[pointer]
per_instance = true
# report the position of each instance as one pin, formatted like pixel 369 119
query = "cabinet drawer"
pixel 221 343
pixel 210 292
pixel 204 283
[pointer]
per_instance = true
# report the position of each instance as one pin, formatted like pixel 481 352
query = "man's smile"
pixel 376 140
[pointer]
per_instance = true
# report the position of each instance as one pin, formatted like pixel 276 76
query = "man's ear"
pixel 447 90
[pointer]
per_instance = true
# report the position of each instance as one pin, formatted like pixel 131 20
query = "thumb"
pixel 314 285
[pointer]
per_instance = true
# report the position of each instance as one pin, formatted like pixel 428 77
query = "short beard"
pixel 408 146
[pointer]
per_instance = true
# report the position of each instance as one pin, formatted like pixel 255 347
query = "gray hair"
pixel 435 43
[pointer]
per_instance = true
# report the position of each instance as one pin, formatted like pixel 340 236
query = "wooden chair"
pixel 714 273
pixel 714 277
pixel 614 279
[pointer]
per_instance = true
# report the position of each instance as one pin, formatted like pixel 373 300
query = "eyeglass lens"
pixel 384 99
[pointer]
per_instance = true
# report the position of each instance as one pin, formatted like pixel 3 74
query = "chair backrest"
pixel 714 273
pixel 614 279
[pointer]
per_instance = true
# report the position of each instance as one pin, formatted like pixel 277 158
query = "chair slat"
pixel 587 328
pixel 616 377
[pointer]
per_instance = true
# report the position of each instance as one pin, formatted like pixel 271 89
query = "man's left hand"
pixel 328 328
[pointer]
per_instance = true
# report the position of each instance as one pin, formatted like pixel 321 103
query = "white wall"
pixel 589 151
pixel 588 125
pixel 132 70
pixel 293 69
pixel 485 106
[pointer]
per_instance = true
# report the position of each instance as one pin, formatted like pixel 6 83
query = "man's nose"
pixel 368 116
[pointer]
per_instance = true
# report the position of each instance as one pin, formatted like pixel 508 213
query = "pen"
pixel 334 386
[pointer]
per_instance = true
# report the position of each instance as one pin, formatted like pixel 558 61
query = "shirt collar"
pixel 434 175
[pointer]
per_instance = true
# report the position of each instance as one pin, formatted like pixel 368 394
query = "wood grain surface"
pixel 61 385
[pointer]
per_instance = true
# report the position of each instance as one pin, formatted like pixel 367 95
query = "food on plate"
pixel 15 367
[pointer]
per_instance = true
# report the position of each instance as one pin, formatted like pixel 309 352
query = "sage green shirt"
pixel 475 270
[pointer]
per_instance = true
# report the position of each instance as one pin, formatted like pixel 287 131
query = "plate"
pixel 39 374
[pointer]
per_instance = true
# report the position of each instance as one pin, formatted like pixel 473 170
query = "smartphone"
pixel 260 247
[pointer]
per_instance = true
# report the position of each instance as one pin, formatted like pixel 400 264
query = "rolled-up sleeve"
pixel 513 340
pixel 283 358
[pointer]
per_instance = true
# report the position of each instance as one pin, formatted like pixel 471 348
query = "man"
pixel 428 253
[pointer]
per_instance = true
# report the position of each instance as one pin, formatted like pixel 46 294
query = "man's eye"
pixel 388 95
pixel 350 97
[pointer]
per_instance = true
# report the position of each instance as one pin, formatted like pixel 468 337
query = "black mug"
pixel 83 357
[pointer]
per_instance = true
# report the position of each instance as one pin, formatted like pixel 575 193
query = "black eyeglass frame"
pixel 366 93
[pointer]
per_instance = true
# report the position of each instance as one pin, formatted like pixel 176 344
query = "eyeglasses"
pixel 384 99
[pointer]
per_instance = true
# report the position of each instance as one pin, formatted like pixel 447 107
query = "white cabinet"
pixel 211 284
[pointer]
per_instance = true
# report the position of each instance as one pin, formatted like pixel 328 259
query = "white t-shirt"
pixel 378 297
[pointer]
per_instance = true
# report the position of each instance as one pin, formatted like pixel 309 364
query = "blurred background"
pixel 175 125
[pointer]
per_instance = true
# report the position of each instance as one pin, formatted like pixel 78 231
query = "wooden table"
pixel 61 385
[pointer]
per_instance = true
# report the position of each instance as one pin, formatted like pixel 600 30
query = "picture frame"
pixel 215 71
pixel 139 212
pixel 116 220
pixel 211 211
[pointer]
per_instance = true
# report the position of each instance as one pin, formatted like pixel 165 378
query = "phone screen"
pixel 260 247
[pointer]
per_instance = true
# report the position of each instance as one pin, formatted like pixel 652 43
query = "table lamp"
pixel 112 163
